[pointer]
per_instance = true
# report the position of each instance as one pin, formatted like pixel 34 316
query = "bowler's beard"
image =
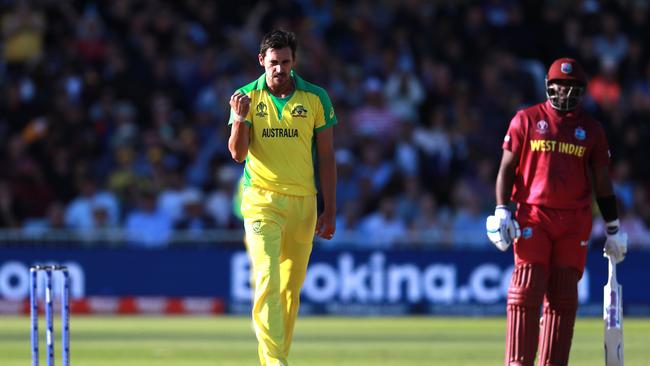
pixel 281 83
pixel 281 79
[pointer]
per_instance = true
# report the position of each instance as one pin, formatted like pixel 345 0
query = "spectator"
pixel 434 141
pixel 79 212
pixel 147 226
pixel 374 119
pixel 123 177
pixel 409 198
pixel 404 92
pixel 103 230
pixel 347 226
pixel 194 221
pixel 31 194
pixel 605 88
pixel 407 156
pixel 7 207
pixel 479 182
pixel 610 44
pixel 55 220
pixel 383 228
pixel 468 222
pixel 91 43
pixel 125 131
pixel 347 182
pixel 23 32
pixel 171 199
pixel 429 225
pixel 375 169
pixel 623 186
pixel 219 203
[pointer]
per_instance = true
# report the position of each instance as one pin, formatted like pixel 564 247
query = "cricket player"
pixel 554 155
pixel 278 123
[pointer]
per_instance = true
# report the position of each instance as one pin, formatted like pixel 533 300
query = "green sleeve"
pixel 328 116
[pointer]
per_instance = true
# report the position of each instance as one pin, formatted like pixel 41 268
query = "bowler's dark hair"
pixel 277 39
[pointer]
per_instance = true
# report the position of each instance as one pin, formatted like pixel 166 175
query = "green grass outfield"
pixel 319 341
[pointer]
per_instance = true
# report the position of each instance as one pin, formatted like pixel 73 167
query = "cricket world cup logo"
pixel 257 227
pixel 261 110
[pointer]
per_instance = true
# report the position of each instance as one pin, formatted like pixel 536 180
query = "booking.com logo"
pixel 14 280
pixel 379 281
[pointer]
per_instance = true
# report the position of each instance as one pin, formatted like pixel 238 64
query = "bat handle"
pixel 611 268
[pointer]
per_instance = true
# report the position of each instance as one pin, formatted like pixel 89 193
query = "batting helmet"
pixel 568 72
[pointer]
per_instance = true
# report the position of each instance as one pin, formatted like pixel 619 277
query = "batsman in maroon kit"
pixel 555 157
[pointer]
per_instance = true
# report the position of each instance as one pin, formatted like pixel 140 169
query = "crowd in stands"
pixel 114 114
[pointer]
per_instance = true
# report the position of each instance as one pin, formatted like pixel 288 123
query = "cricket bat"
pixel 613 316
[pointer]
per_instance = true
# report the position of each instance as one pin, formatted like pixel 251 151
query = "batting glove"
pixel 501 228
pixel 616 243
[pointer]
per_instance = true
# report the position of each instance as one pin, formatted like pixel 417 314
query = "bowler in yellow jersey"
pixel 279 124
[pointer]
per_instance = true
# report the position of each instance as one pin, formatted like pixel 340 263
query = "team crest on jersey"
pixel 527 232
pixel 257 227
pixel 299 111
pixel 542 126
pixel 566 68
pixel 261 109
pixel 580 133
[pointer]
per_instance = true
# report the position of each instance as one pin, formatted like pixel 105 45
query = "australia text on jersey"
pixel 280 132
pixel 558 146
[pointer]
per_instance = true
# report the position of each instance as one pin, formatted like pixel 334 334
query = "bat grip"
pixel 611 267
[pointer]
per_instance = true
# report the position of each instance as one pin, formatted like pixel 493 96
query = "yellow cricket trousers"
pixel 279 237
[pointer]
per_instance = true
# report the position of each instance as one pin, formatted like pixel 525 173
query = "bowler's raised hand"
pixel 240 104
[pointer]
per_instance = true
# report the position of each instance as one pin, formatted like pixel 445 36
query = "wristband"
pixel 502 212
pixel 613 227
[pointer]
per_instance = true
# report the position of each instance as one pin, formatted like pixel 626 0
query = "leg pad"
pixel 525 296
pixel 560 308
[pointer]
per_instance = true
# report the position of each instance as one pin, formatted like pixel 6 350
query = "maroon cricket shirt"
pixel 555 151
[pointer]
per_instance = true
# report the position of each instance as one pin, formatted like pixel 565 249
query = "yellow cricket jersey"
pixel 283 131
